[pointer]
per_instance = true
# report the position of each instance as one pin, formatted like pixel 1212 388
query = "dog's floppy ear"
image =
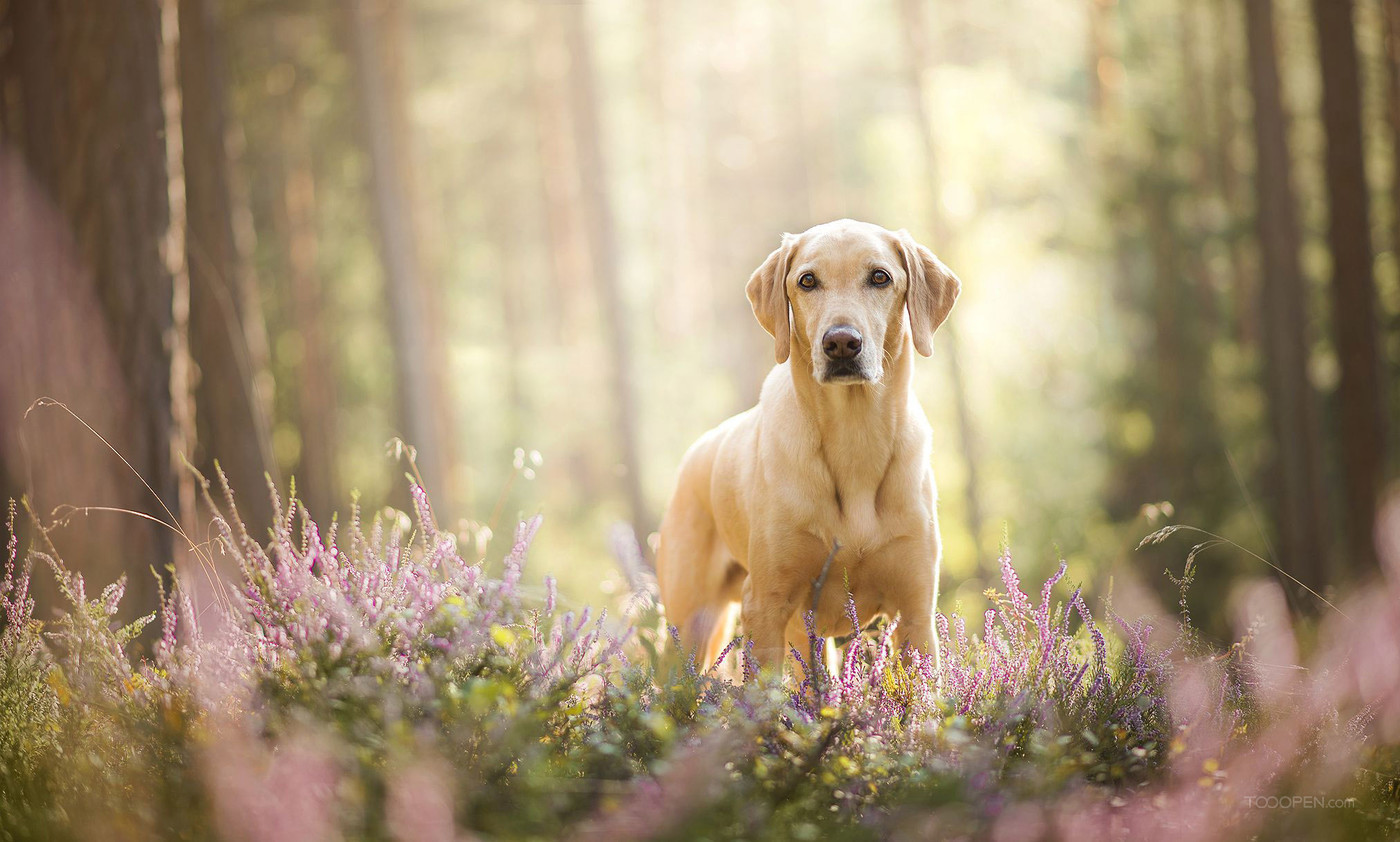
pixel 932 290
pixel 767 291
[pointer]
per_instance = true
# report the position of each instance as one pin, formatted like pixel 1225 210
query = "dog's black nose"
pixel 841 342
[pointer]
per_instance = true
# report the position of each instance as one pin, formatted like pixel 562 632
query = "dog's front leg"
pixel 916 630
pixel 769 601
pixel 918 600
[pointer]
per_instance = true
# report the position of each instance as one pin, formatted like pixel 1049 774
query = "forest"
pixel 345 257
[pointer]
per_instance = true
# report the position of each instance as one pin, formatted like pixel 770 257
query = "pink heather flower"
pixel 424 511
pixel 1100 648
pixel 1042 614
pixel 724 653
pixel 1019 602
pixel 749 663
pixel 515 561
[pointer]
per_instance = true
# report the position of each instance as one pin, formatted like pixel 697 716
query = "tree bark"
pixel 421 402
pixel 96 139
pixel 601 235
pixel 568 249
pixel 1298 502
pixel 1392 65
pixel 941 231
pixel 1195 207
pixel 686 309
pixel 232 424
pixel 1105 70
pixel 317 380
pixel 1226 174
pixel 1361 407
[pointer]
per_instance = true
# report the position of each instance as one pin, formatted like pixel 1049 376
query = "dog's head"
pixel 840 293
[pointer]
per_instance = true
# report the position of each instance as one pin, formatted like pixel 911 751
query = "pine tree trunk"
pixel 1226 174
pixel 686 309
pixel 602 235
pixel 95 139
pixel 1361 407
pixel 232 424
pixel 1195 201
pixel 1104 67
pixel 421 409
pixel 1391 9
pixel 315 395
pixel 1296 475
pixel 938 226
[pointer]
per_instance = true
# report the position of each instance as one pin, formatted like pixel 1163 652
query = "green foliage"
pixel 370 683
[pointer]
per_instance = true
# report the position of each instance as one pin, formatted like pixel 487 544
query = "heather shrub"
pixel 366 679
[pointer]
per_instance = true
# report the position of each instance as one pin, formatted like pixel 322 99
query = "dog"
pixel 825 487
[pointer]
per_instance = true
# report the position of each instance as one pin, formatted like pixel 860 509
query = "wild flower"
pixel 365 680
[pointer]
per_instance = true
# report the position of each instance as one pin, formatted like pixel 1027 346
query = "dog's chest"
pixel 861 509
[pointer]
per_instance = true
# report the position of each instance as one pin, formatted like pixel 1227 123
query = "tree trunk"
pixel 9 106
pixel 1105 70
pixel 1392 66
pixel 232 424
pixel 686 310
pixel 11 473
pixel 601 234
pixel 817 88
pixel 1298 503
pixel 1226 174
pixel 317 381
pixel 1361 407
pixel 941 231
pixel 559 189
pixel 421 402
pixel 1195 201
pixel 1170 344
pixel 95 111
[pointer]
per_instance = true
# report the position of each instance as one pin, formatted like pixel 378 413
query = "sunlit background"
pixel 516 234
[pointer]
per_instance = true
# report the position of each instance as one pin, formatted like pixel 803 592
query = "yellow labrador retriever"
pixel 833 462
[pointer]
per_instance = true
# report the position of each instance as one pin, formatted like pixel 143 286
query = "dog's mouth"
pixel 844 371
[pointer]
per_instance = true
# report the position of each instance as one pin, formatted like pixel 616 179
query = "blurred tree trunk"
pixel 916 37
pixel 1198 198
pixel 1392 65
pixel 11 473
pixel 1105 70
pixel 9 107
pixel 232 423
pixel 1361 406
pixel 505 229
pixel 422 403
pixel 601 234
pixel 792 169
pixel 686 309
pixel 1168 349
pixel 96 136
pixel 316 391
pixel 559 189
pixel 1296 475
pixel 818 94
pixel 569 307
pixel 1226 174
pixel 1186 432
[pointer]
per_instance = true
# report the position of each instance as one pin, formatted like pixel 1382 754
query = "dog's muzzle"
pixel 841 346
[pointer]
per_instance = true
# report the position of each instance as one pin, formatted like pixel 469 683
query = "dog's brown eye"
pixel 880 278
pixel 807 281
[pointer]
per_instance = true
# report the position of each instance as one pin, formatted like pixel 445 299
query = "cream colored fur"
pixel 820 461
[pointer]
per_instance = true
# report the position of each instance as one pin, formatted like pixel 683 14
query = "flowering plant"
pixel 367 680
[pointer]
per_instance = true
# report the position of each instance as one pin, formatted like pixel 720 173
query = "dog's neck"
pixel 857 423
